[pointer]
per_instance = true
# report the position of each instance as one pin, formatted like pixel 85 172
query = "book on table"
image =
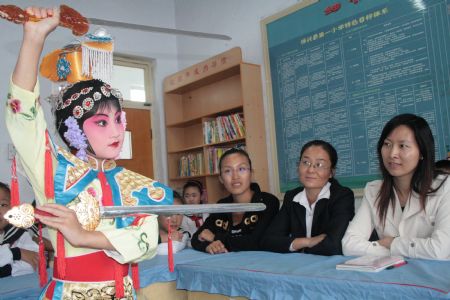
pixel 371 263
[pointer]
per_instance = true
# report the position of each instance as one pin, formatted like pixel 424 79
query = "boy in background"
pixel 180 238
pixel 18 252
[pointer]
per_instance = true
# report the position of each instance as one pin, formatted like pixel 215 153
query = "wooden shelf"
pixel 219 86
pixel 188 149
pixel 234 141
pixel 189 122
pixel 194 177
pixel 186 178
pixel 200 147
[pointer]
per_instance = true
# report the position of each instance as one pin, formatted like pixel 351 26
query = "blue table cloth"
pixel 265 275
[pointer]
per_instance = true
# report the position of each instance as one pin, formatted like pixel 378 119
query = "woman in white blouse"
pixel 410 207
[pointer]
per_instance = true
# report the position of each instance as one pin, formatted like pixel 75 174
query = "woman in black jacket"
pixel 224 232
pixel 313 218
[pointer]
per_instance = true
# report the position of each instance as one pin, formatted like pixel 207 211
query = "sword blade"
pixel 158 29
pixel 121 211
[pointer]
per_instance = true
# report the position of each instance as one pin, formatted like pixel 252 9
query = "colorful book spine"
pixel 223 129
pixel 191 164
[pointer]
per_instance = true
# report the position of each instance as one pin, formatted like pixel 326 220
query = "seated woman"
pixel 313 218
pixel 410 207
pixel 226 232
pixel 192 194
pixel 180 238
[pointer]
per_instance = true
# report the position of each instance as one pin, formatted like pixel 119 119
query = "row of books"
pixel 213 155
pixel 224 128
pixel 191 165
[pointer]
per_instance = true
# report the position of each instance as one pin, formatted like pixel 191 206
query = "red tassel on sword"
pixel 15 198
pixel 48 170
pixel 170 247
pixel 42 261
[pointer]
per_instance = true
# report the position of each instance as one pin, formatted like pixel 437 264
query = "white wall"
pixel 238 19
pixel 160 47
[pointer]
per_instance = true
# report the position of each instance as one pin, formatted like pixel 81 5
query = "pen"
pixel 397 265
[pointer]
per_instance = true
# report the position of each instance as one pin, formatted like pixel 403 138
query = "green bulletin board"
pixel 340 76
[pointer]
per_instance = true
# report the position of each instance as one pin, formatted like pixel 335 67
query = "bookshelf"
pixel 215 90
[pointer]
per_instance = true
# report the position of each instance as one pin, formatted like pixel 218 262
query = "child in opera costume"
pixel 92 258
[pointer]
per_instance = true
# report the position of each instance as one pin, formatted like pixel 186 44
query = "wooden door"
pixel 139 124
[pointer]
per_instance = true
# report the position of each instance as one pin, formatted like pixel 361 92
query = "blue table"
pixel 265 275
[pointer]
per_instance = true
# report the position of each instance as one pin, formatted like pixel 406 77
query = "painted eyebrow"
pixel 100 115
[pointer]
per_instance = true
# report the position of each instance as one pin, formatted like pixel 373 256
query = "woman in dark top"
pixel 226 232
pixel 313 218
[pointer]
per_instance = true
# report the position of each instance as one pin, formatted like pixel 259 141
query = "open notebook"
pixel 370 263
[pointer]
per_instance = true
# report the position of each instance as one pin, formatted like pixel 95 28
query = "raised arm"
pixel 34 35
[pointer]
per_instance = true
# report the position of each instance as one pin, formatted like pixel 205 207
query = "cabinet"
pixel 220 86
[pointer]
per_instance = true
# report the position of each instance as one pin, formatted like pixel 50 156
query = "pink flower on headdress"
pixel 14 104
pixel 123 120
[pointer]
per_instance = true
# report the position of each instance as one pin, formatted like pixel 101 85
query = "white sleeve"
pixel 356 239
pixel 436 246
pixel 26 242
pixel 188 225
pixel 6 256
pixel 20 267
pixel 176 246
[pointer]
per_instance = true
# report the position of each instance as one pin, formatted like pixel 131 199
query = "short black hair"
pixel 193 183
pixel 5 187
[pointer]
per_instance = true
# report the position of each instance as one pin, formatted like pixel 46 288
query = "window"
pixel 133 76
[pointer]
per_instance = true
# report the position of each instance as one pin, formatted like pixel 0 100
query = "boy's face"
pixel 5 205
pixel 175 220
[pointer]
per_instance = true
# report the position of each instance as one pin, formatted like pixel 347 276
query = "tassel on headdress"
pixel 97 54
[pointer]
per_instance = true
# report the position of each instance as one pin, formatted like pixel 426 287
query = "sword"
pixel 89 213
pixel 79 24
pixel 121 211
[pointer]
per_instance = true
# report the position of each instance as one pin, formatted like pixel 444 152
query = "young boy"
pixel 180 238
pixel 18 252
